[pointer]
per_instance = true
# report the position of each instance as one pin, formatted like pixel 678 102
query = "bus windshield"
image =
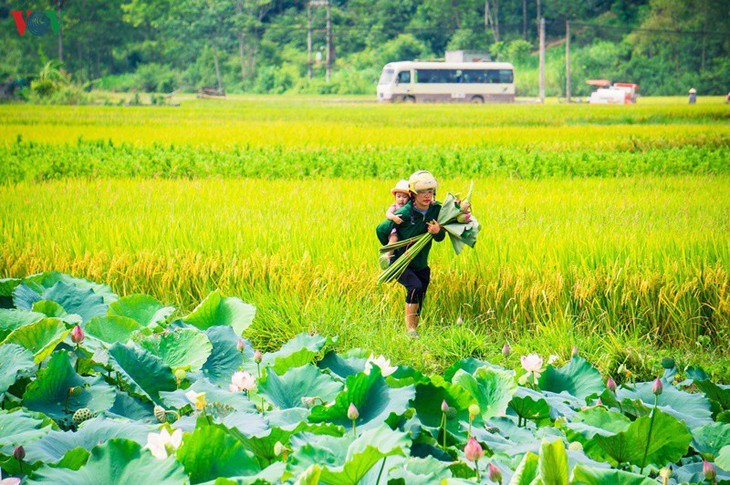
pixel 386 77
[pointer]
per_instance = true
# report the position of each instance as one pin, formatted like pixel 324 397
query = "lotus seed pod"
pixel 257 357
pixel 575 446
pixel 505 350
pixel 180 374
pixel 611 384
pixel 77 335
pixel 473 450
pixel 82 415
pixel 75 391
pixel 657 387
pixel 19 453
pixel 160 413
pixel 494 473
pixel 474 411
pixel 308 402
pixel 352 412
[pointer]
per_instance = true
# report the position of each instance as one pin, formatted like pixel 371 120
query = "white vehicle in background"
pixel 467 82
pixel 619 93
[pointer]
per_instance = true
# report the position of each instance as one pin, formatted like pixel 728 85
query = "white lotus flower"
pixel 531 363
pixel 197 398
pixel 385 368
pixel 164 444
pixel 242 381
pixel 552 359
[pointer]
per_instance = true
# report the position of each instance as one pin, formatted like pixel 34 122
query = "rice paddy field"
pixel 602 227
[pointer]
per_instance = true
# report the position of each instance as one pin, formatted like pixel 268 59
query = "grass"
pixel 629 269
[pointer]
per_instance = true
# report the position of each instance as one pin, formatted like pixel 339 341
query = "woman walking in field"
pixel 419 216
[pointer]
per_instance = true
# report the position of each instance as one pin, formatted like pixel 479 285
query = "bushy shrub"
pixel 155 77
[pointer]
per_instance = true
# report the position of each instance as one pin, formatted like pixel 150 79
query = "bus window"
pixel 475 76
pixel 506 76
pixel 386 77
pixel 404 77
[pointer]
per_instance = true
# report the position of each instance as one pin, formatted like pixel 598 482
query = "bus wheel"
pixel 409 99
pixel 477 100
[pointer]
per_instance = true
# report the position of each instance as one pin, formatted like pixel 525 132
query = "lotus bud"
pixel 308 402
pixel 352 412
pixel 160 413
pixel 494 473
pixel 241 345
pixel 574 351
pixel 657 387
pixel 708 470
pixel 77 335
pixel 666 474
pixel 474 411
pixel 463 218
pixel 465 205
pixel 180 374
pixel 611 384
pixel 444 406
pixel 505 350
pixel 257 357
pixel 75 391
pixel 575 446
pixel 460 321
pixel 599 402
pixel 19 453
pixel 279 448
pixel 473 450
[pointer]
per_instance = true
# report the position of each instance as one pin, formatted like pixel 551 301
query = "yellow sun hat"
pixel 401 186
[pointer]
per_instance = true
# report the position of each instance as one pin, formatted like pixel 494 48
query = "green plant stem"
pixel 476 464
pixel 468 435
pixel 354 428
pixel 377 480
pixel 648 438
pixel 443 428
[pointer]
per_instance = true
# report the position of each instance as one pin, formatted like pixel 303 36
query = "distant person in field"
pixel 692 96
pixel 402 195
pixel 418 215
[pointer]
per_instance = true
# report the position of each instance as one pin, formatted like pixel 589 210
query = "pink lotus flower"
pixel 257 357
pixel 494 473
pixel 241 345
pixel 9 480
pixel 505 350
pixel 531 363
pixel 352 412
pixel 657 388
pixel 77 335
pixel 242 381
pixel 611 384
pixel 444 406
pixel 473 450
pixel 708 470
pixel 463 218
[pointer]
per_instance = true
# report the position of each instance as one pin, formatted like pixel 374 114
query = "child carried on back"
pixel 402 195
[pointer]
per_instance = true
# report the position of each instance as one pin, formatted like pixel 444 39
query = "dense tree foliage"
pixel 666 46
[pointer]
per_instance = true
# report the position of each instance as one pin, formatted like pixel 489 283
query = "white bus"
pixel 470 82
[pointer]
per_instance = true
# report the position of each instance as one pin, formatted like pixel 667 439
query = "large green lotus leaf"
pixel 715 393
pixel 526 471
pixel 236 400
pixel 491 388
pixel 470 365
pixel 607 476
pixel 14 359
pixel 428 401
pixel 56 444
pixel 144 372
pixel 372 397
pixel 10 319
pixel 224 358
pixel 80 301
pixel 347 461
pixel 693 409
pixel 420 471
pixel 22 427
pixel 600 421
pixel 112 329
pixel 211 452
pixel 186 348
pixel 49 392
pixel 553 463
pixel 723 458
pixel 217 310
pixel 114 462
pixel 270 474
pixel 39 337
pixel 578 377
pixel 143 309
pixel 49 308
pixel 345 365
pixel 288 390
pixel 692 473
pixel 669 441
pixel 563 404
pixel 300 350
pixel 126 406
pixel 711 437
